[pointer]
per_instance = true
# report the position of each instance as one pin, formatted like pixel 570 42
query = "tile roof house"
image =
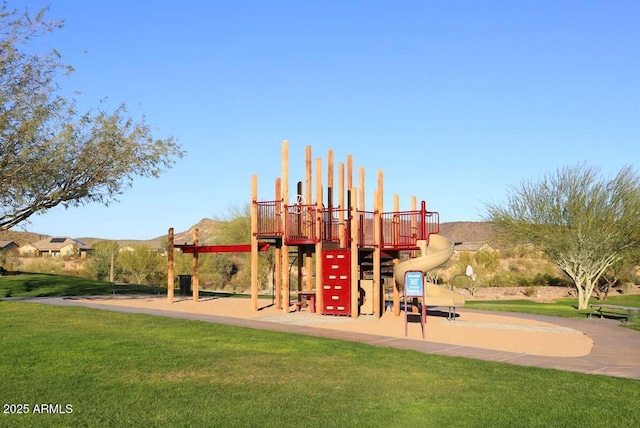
pixel 56 246
pixel 8 245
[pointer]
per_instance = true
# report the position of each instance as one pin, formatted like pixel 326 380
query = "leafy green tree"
pixel 222 268
pixel 214 270
pixel 235 228
pixel 99 263
pixel 583 222
pixel 140 264
pixel 182 264
pixel 50 153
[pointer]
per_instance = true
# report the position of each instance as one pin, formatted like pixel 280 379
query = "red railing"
pixel 300 224
pixel 400 230
pixel 366 228
pixel 269 220
pixel 331 224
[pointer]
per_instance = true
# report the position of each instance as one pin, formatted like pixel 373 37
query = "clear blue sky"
pixel 455 101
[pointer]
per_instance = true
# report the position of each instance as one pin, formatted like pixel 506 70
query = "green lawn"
pixel 24 284
pixel 567 307
pixel 116 369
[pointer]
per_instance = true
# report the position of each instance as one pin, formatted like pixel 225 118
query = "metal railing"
pixel 269 220
pixel 300 224
pixel 332 229
pixel 403 229
pixel 400 230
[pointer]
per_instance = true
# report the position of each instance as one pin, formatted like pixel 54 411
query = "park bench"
pixel 615 310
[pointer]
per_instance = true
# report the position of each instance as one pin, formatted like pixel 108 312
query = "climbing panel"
pixel 336 282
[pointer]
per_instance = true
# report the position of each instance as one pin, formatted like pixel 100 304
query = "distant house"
pixel 55 247
pixel 8 246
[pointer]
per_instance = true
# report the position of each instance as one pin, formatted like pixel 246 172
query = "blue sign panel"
pixel 414 284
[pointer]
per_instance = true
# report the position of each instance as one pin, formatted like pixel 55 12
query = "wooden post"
pixel 170 273
pixel 285 247
pixel 349 172
pixel 300 258
pixel 308 256
pixel 328 229
pixel 277 280
pixel 319 285
pixel 254 242
pixel 381 189
pixel 355 274
pixel 379 225
pixel 308 175
pixel 195 277
pixel 378 289
pixel 361 204
pixel 112 268
pixel 396 290
pixel 414 228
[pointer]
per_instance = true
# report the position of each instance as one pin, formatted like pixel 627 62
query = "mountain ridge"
pixel 457 231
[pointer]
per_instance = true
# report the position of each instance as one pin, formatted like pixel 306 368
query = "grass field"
pixel 48 285
pixel 567 307
pixel 115 369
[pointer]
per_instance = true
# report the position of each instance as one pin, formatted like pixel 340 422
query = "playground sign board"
pixel 414 289
pixel 414 283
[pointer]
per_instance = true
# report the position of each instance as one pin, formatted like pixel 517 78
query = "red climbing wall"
pixel 336 282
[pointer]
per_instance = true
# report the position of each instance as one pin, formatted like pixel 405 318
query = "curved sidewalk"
pixel 616 350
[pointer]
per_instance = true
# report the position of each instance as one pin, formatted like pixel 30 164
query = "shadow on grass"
pixel 27 284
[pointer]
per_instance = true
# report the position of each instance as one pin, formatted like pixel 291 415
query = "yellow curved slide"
pixel 439 250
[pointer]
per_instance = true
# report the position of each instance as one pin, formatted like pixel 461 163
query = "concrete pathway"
pixel 616 350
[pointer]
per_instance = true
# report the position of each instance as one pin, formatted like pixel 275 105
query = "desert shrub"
pixel 518 279
pixel 47 265
pixel 509 279
pixel 98 265
pixel 501 279
pixel 546 279
pixel 9 260
pixel 627 288
pixel 523 280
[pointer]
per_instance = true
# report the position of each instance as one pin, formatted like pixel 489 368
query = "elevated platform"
pixel 308 225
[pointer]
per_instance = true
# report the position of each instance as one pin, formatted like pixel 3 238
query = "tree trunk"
pixel 584 294
pixel 581 300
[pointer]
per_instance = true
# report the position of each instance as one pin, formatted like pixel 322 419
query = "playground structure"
pixel 348 259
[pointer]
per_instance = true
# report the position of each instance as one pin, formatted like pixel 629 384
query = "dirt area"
pixel 487 331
